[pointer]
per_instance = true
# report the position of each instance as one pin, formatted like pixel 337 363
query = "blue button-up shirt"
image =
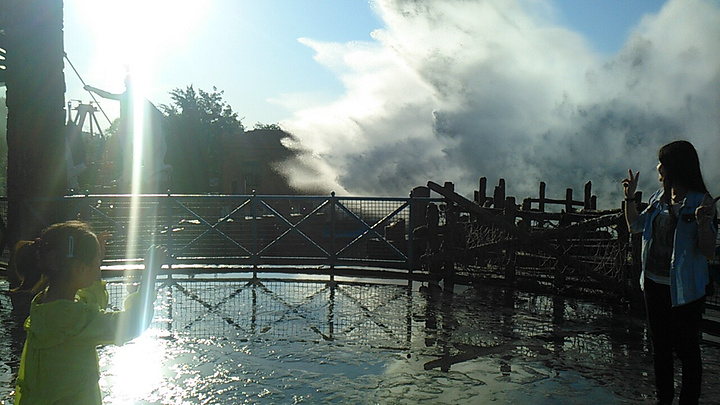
pixel 688 266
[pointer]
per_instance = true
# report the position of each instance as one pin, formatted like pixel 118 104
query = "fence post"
pixel 449 240
pixel 169 227
pixel 569 200
pixel 587 200
pixel 499 195
pixel 559 270
pixel 541 197
pixel 254 259
pixel 510 212
pixel 333 246
pixel 417 219
pixel 481 195
pixel 432 217
pixel 449 245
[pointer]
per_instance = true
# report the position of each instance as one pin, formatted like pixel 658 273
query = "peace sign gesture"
pixel 706 211
pixel 630 184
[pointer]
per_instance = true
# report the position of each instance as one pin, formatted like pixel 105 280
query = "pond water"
pixel 245 341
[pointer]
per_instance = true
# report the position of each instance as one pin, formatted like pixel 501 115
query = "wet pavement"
pixel 237 341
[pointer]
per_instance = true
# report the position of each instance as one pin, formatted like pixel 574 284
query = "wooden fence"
pixel 574 247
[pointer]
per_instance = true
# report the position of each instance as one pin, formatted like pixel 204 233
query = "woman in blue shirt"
pixel 678 237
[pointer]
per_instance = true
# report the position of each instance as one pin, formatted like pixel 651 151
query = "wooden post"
pixel 524 222
pixel 418 210
pixel 499 195
pixel 541 197
pixel 527 204
pixel 559 271
pixel 481 195
pixel 419 207
pixel 587 200
pixel 449 235
pixel 432 217
pixel 568 200
pixel 510 213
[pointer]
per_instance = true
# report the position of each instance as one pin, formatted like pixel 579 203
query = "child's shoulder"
pixel 55 321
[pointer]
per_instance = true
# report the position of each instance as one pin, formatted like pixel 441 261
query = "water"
pixel 232 341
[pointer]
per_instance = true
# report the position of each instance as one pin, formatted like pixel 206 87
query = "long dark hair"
pixel 35 263
pixel 680 161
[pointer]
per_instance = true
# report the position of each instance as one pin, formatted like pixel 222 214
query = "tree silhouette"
pixel 196 121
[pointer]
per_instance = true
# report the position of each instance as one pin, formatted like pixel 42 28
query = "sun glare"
pixel 135 37
pixel 138 34
pixel 136 369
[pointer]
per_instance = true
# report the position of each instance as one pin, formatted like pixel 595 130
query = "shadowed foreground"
pixel 235 340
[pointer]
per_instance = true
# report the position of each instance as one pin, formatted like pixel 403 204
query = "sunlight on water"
pixel 288 342
pixel 133 370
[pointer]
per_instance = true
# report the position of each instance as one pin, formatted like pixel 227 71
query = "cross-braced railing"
pixel 252 230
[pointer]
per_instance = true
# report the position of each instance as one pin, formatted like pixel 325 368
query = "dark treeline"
pixel 208 147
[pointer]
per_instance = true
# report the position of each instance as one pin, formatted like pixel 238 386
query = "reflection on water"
pixel 235 341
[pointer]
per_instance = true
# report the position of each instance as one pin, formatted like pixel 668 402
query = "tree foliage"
pixel 195 122
pixel 273 127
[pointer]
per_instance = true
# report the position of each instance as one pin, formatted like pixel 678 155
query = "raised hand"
pixel 706 210
pixel 630 184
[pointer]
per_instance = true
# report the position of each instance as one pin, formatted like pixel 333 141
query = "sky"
pixel 385 95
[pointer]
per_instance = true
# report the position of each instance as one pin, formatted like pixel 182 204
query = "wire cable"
pixel 84 84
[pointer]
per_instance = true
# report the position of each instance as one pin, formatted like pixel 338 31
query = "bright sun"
pixel 134 34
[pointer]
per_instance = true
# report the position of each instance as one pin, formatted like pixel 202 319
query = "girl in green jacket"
pixel 68 317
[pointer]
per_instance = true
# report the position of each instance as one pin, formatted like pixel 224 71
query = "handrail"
pixel 251 230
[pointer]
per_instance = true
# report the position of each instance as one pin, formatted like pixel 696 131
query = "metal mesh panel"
pixel 373 229
pixel 280 310
pixel 253 230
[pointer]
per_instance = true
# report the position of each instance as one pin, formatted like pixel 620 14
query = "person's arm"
pixel 118 327
pixel 707 234
pixel 103 93
pixel 630 186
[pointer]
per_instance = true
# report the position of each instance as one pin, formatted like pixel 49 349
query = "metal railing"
pixel 235 231
pixel 346 312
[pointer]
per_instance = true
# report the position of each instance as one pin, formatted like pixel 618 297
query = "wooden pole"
pixel 569 200
pixel 499 195
pixel 482 192
pixel 510 212
pixel 432 217
pixel 587 200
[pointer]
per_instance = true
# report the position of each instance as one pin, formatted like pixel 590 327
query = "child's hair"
pixel 51 255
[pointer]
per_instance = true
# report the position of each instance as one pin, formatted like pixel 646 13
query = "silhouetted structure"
pixel 35 84
pixel 249 162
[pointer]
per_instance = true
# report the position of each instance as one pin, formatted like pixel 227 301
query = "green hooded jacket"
pixel 59 363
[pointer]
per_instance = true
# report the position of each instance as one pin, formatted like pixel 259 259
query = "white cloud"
pixel 454 90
